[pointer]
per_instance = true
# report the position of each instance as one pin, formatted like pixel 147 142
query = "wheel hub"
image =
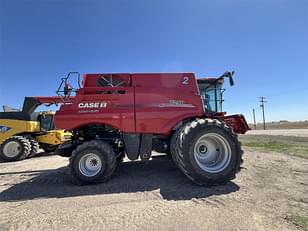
pixel 202 149
pixel 212 153
pixel 90 164
pixel 11 149
pixel 93 162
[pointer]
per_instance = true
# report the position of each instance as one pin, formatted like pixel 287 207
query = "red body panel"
pixel 145 103
pixel 237 122
pixel 149 103
pixel 162 100
pixel 89 80
pixel 119 112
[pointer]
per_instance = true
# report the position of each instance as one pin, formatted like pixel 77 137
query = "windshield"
pixel 212 96
pixel 47 122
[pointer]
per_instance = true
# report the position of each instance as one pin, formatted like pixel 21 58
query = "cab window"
pixel 46 122
pixel 212 96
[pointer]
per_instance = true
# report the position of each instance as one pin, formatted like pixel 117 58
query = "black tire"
pixel 23 149
pixel 120 158
pixel 183 146
pixel 105 155
pixel 174 145
pixel 35 146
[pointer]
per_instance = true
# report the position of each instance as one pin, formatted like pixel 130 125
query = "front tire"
pixel 207 151
pixel 15 148
pixel 92 162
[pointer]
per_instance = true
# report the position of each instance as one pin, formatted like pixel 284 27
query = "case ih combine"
pixel 116 115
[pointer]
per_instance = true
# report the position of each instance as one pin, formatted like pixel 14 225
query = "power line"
pixel 262 101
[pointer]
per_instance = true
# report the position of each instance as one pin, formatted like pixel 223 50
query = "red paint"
pixel 119 112
pixel 237 122
pixel 155 95
pixel 145 103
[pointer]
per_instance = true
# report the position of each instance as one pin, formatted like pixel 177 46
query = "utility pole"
pixel 262 101
pixel 254 118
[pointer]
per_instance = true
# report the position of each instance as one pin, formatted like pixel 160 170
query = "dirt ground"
pixel 36 194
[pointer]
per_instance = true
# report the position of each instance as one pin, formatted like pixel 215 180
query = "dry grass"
pixel 301 221
pixel 297 146
pixel 282 125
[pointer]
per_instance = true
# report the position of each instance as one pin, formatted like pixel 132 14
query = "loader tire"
pixel 92 162
pixel 15 148
pixel 35 146
pixel 207 151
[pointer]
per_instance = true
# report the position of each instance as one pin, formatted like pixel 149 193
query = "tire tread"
pixel 25 145
pixel 180 137
pixel 111 161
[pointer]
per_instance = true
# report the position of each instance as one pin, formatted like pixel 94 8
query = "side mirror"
pixel 229 74
pixel 231 78
pixel 231 81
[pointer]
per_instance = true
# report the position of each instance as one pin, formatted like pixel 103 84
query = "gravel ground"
pixel 283 132
pixel 36 194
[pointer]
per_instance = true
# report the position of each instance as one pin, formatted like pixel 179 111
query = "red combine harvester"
pixel 116 115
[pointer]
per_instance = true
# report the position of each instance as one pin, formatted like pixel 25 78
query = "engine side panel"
pixel 147 103
pixel 164 100
pixel 88 107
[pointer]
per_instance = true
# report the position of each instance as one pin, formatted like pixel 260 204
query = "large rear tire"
pixel 92 162
pixel 207 151
pixel 15 148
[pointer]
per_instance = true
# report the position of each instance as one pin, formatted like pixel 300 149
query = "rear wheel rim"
pixel 12 149
pixel 90 165
pixel 212 153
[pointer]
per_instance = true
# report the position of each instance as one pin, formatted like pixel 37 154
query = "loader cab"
pixel 211 91
pixel 46 120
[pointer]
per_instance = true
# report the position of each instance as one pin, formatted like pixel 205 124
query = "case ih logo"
pixel 93 105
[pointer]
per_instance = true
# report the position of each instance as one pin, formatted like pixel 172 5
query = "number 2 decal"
pixel 185 80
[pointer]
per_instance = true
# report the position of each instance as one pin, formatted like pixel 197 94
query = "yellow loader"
pixel 22 134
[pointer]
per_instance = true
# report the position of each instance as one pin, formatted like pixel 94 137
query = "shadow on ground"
pixel 130 177
pixel 36 155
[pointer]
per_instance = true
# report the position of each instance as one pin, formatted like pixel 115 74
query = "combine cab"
pixel 211 91
pixel 116 115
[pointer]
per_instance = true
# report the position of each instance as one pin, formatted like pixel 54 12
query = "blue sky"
pixel 264 41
